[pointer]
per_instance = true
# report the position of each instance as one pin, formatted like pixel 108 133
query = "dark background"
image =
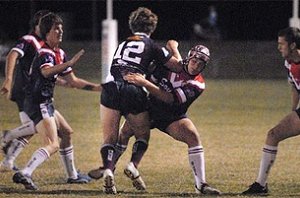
pixel 237 20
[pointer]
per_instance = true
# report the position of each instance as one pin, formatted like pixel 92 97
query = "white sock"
pixel 24 117
pixel 197 162
pixel 267 160
pixel 67 158
pixel 15 149
pixel 38 157
pixel 23 130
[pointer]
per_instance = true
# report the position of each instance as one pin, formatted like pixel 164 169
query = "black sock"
pixel 138 150
pixel 107 153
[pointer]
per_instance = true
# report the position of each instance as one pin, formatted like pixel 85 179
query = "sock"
pixel 24 117
pixel 120 149
pixel 107 152
pixel 267 160
pixel 23 130
pixel 197 163
pixel 67 158
pixel 139 148
pixel 15 149
pixel 38 157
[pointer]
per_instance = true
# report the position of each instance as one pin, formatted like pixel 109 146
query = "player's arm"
pixel 51 71
pixel 175 62
pixel 172 45
pixel 62 82
pixel 140 80
pixel 11 60
pixel 80 83
pixel 295 98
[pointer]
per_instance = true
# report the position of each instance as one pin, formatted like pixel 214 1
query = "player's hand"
pixel 172 44
pixel 5 89
pixel 136 78
pixel 76 57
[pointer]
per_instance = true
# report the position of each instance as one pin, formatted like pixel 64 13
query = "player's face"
pixel 283 47
pixel 195 66
pixel 56 33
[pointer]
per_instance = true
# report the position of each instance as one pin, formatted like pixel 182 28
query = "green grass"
pixel 232 116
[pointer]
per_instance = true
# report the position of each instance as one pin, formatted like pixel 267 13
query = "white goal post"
pixel 295 21
pixel 109 42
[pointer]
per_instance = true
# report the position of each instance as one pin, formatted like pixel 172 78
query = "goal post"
pixel 109 42
pixel 295 21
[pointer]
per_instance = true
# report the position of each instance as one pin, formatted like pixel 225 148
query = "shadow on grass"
pixel 81 193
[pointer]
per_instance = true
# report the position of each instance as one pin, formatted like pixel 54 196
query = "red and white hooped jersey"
pixel 293 73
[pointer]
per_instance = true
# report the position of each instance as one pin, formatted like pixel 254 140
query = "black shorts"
pixel 124 97
pixel 298 112
pixel 162 124
pixel 38 111
pixel 20 104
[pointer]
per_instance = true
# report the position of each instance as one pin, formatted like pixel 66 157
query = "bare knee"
pixel 65 134
pixel 192 139
pixel 195 140
pixel 273 137
pixel 125 135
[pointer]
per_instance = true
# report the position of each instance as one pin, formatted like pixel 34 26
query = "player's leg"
pixel 110 121
pixel 124 136
pixel 289 126
pixel 185 131
pixel 66 151
pixel 140 125
pixel 26 129
pixel 48 131
pixel 13 142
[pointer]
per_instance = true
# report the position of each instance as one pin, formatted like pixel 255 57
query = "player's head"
pixel 36 18
pixel 197 59
pixel 143 20
pixel 47 22
pixel 288 41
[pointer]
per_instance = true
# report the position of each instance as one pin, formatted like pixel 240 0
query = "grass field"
pixel 232 117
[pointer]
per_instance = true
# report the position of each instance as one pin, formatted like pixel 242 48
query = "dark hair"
pixel 47 22
pixel 36 18
pixel 291 35
pixel 143 20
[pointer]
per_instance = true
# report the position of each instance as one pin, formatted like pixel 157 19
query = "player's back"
pixel 135 55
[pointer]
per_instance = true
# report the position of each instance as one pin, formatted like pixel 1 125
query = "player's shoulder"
pixel 198 82
pixel 33 40
pixel 199 78
pixel 46 51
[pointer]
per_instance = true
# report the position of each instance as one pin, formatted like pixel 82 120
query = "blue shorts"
pixel 124 97
pixel 38 111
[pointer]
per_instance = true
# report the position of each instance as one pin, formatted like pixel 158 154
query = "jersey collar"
pixel 141 34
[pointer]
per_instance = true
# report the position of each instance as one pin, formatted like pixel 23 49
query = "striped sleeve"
pixel 190 91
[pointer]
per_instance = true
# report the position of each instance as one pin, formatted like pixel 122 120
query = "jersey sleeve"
pixel 21 47
pixel 46 60
pixel 190 91
pixel 65 59
pixel 27 43
pixel 161 53
pixel 288 68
